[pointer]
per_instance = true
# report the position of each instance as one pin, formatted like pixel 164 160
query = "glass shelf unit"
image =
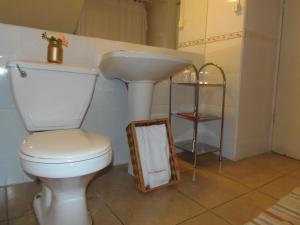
pixel 193 145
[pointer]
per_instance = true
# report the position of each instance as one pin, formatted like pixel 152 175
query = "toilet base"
pixel 63 201
pixel 37 206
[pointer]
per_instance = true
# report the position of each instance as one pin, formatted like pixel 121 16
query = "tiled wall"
pixel 225 51
pixel 220 43
pixel 192 25
pixel 191 29
pixel 107 113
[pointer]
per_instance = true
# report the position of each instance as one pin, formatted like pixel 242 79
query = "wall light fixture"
pixel 237 7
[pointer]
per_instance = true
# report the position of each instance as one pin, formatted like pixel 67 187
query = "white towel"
pixel 154 154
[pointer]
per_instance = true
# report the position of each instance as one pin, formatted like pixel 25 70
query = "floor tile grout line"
pixel 237 181
pixel 236 197
pixel 257 189
pixel 277 178
pixel 189 198
pixel 248 191
pixel 211 209
pixel 208 211
pixel 220 174
pixel 216 214
pixel 219 216
pixel 253 190
pixel 114 214
pixel 192 217
pixel 267 195
pixel 205 209
pixel 230 178
pixel 226 177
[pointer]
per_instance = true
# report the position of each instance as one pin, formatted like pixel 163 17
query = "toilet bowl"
pixel 65 161
pixel 52 100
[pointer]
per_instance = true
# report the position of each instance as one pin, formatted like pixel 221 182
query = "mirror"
pixel 161 23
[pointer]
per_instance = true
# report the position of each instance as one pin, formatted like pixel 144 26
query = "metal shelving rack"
pixel 194 146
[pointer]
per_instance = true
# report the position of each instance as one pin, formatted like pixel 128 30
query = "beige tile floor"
pixel 231 194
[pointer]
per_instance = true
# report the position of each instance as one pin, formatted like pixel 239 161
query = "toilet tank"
pixel 51 96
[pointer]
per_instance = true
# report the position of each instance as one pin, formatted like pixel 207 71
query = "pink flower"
pixel 53 36
pixel 64 40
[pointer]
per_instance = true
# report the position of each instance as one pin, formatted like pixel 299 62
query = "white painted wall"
pixel 287 124
pixel 107 113
pixel 260 43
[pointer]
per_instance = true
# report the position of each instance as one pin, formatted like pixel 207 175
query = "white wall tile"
pixel 6 98
pixel 193 14
pixel 221 18
pixel 9 41
pixel 12 133
pixel 226 54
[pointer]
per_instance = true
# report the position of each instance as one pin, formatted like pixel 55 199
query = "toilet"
pixel 52 100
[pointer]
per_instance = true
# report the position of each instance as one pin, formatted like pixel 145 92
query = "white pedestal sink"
pixel 140 71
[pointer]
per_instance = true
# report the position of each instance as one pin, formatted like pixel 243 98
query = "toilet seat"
pixel 65 153
pixel 64 146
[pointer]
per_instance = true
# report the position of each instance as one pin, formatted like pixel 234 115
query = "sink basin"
pixel 136 66
pixel 140 71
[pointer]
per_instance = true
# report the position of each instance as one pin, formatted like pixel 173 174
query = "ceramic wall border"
pixel 212 39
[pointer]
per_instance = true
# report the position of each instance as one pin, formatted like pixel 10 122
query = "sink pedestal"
pixel 140 99
pixel 139 104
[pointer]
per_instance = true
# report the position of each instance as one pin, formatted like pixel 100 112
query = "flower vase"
pixel 55 51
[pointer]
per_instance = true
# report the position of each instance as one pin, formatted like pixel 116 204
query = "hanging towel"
pixel 154 154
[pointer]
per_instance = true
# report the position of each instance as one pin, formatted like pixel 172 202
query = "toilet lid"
pixel 64 146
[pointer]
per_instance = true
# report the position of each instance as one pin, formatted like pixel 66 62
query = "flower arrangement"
pixel 55 37
pixel 56 41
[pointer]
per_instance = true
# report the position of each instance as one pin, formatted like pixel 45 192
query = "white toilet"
pixel 54 99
